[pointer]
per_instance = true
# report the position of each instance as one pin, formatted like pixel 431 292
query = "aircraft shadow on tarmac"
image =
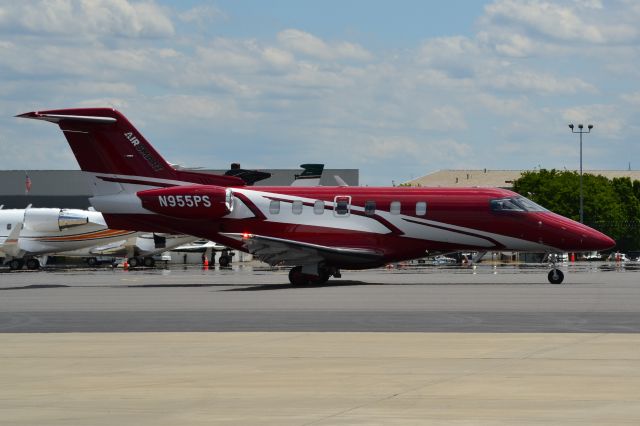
pixel 286 286
pixel 264 287
pixel 35 287
pixel 347 283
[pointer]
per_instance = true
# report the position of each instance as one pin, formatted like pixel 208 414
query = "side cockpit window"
pixel 505 205
pixel 515 204
pixel 529 205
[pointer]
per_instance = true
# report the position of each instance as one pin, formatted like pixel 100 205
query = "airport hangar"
pixel 496 178
pixel 69 188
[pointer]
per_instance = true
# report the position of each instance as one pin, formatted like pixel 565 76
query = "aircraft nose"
pixel 593 240
pixel 575 236
pixel 601 241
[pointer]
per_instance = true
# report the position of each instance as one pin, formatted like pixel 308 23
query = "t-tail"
pixel 116 157
pixel 127 175
pixel 310 175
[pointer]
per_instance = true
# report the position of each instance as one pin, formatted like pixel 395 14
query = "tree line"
pixel 611 206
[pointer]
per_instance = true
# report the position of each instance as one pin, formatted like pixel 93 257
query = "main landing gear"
pixel 134 262
pixel 555 275
pixel 298 277
pixel 32 263
pixel 16 264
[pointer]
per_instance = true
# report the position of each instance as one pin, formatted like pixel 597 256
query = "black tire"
pixel 555 276
pixel 92 261
pixel 133 262
pixel 296 277
pixel 224 261
pixel 320 279
pixel 149 262
pixel 15 264
pixel 33 264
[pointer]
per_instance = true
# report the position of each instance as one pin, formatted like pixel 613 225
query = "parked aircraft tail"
pixel 105 143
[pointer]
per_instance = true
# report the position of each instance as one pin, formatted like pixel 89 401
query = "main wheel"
pixel 321 278
pixel 33 264
pixel 149 262
pixel 133 262
pixel 92 261
pixel 15 264
pixel 555 276
pixel 296 277
pixel 224 261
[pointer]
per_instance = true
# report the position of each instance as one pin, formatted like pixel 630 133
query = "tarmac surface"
pixel 495 346
pixel 594 298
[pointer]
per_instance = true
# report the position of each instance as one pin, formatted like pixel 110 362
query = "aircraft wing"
pixel 280 251
pixel 11 245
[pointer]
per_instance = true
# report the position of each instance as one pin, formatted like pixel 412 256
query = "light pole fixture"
pixel 581 131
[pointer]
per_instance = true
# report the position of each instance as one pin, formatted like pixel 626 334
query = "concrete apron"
pixel 319 378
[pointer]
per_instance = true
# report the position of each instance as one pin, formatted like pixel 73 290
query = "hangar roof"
pixel 496 178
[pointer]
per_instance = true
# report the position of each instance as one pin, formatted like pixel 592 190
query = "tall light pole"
pixel 581 131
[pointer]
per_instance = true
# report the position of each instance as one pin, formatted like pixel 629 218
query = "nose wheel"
pixel 555 276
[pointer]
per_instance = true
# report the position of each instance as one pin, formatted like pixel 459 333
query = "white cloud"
pixel 88 18
pixel 575 21
pixel 632 98
pixel 607 119
pixel 486 99
pixel 308 44
pixel 537 82
pixel 202 14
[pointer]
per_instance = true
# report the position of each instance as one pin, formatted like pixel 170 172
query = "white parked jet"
pixel 27 233
pixel 138 248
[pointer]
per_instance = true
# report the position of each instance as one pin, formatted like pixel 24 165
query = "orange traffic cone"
pixel 125 265
pixel 205 264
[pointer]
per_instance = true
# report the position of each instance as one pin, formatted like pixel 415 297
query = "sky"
pixel 396 89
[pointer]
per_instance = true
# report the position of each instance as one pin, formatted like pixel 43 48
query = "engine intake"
pixel 52 220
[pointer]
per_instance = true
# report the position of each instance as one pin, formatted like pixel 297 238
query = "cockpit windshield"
pixel 515 204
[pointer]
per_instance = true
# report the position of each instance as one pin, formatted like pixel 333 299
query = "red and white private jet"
pixel 317 230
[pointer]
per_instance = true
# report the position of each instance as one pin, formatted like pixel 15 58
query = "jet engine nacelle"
pixel 52 220
pixel 189 201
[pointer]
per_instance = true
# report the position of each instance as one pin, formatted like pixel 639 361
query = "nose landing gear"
pixel 555 276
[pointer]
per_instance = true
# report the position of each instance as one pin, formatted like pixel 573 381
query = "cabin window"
pixel 421 208
pixel 318 207
pixel 8 227
pixel 395 207
pixel 296 207
pixel 274 207
pixel 342 205
pixel 369 208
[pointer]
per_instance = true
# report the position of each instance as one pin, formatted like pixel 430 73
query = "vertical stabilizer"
pixel 105 143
